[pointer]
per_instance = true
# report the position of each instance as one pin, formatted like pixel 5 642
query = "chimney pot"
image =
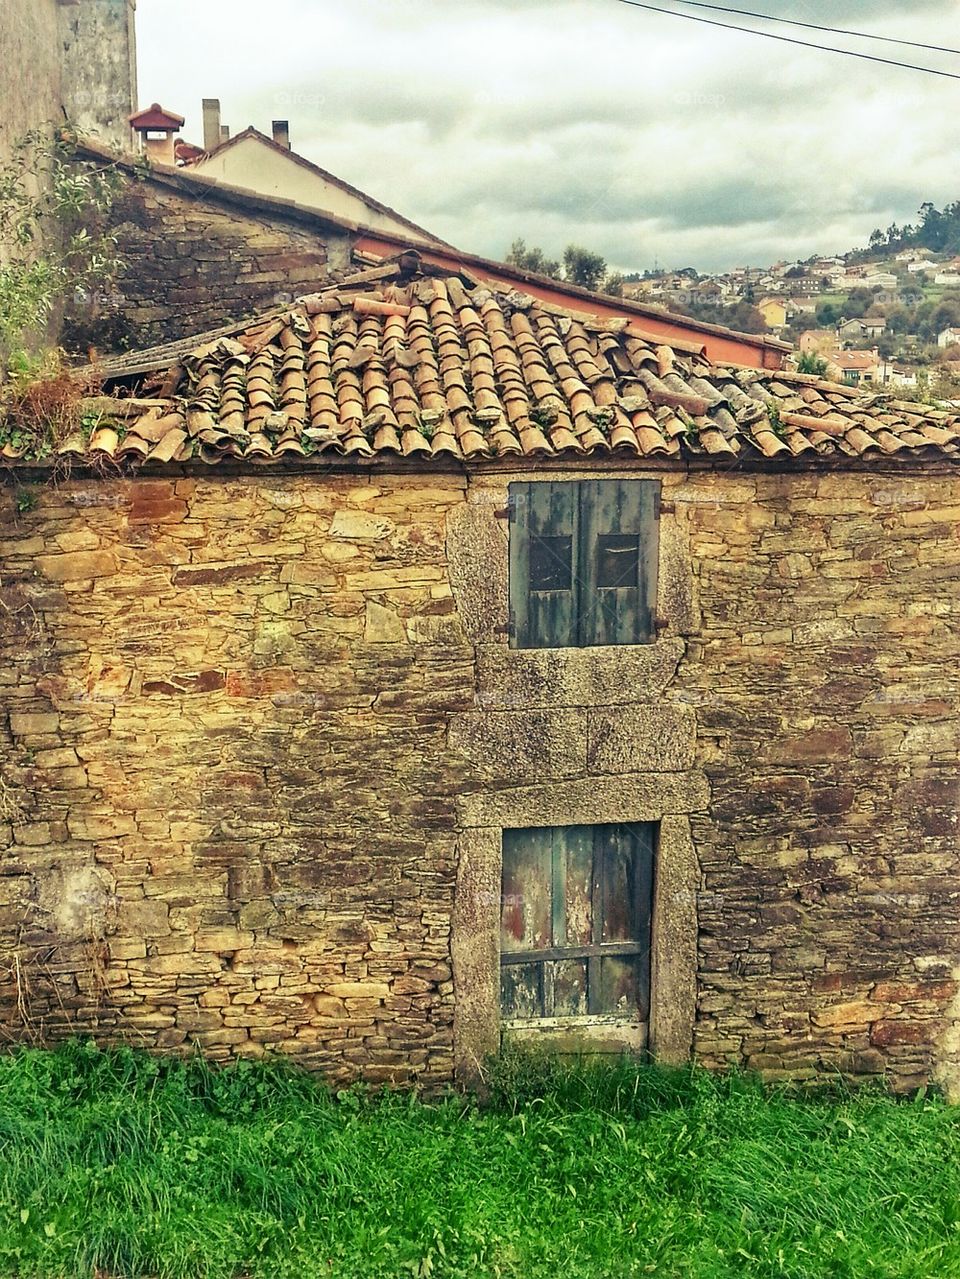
pixel 211 123
pixel 281 133
pixel 224 133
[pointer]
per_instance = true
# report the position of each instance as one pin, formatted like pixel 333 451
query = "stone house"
pixel 429 664
pixel 202 253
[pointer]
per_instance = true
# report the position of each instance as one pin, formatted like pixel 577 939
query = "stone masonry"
pixel 262 732
pixel 195 260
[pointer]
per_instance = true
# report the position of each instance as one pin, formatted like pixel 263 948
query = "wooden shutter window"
pixel 617 568
pixel 544 520
pixel 583 562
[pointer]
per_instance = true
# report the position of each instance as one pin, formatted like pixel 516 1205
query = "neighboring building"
pixel 880 279
pixel 201 254
pixel 857 330
pixel 805 305
pixel 72 62
pixel 774 312
pixel 950 279
pixel 428 666
pixel 888 375
pixel 817 341
pixel 270 167
pixel 947 337
pixel 852 367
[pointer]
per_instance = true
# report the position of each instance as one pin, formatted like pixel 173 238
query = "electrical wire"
pixel 805 44
pixel 816 26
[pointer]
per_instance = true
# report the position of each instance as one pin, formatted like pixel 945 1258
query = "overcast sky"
pixel 646 137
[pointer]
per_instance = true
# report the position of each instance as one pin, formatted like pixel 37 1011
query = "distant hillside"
pixel 938 230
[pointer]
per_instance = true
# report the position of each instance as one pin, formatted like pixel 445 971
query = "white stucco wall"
pixel 251 164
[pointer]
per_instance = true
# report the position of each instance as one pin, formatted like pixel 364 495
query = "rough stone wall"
pixel 826 685
pixel 77 60
pixel 31 94
pixel 229 803
pixel 98 47
pixel 254 726
pixel 195 264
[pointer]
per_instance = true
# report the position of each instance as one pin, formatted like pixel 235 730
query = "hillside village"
pixel 886 315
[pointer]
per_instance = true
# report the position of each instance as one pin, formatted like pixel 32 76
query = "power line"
pixel 806 44
pixel 815 26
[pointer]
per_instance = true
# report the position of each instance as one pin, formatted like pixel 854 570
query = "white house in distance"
pixel 948 337
pixel 270 167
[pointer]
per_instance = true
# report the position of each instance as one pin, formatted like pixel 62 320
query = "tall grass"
pixel 131 1165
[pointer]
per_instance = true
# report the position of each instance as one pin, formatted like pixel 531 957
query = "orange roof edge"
pixel 721 346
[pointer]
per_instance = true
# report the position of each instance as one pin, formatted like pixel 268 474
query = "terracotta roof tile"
pixel 437 369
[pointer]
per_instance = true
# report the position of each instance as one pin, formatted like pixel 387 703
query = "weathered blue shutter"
pixel 617 561
pixel 543 571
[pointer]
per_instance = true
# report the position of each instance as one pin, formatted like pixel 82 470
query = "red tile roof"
pixel 435 370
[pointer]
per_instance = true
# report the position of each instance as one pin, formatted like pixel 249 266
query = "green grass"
pixel 140 1166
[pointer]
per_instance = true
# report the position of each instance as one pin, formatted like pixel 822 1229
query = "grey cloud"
pixel 587 120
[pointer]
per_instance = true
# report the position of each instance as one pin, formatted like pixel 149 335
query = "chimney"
pixel 224 133
pixel 211 123
pixel 157 128
pixel 281 133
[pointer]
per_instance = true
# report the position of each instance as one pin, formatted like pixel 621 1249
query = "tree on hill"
pixel 579 266
pixel 938 230
pixel 532 259
pixel 582 267
pixel 740 315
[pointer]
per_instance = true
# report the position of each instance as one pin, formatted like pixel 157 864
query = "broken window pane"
pixel 570 988
pixel 551 563
pixel 520 990
pixel 618 560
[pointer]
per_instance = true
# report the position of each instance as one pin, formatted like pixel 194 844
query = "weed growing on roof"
pixel 41 405
pixel 136 1165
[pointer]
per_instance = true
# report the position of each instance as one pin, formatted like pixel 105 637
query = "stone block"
pixel 383 625
pixel 223 939
pixel 361 526
pixel 519 679
pixel 855 1013
pixel 94 826
pixel 77 565
pixel 586 801
pixel 148 918
pixel 359 990
pixel 29 724
pixel 634 739
pixel 884 1034
pixel 522 746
